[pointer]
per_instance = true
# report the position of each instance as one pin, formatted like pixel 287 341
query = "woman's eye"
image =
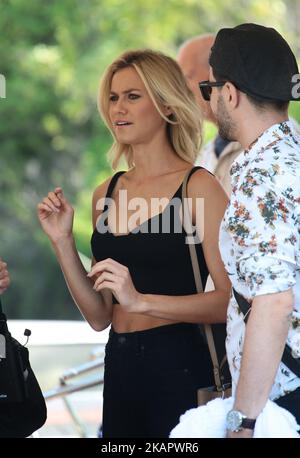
pixel 134 96
pixel 113 98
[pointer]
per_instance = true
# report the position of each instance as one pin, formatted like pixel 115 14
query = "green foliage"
pixel 52 55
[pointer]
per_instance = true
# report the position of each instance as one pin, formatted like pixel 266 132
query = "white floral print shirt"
pixel 260 238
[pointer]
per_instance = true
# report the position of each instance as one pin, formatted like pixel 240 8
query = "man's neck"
pixel 258 125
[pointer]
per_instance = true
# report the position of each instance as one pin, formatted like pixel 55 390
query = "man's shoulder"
pixel 275 168
pixel 284 155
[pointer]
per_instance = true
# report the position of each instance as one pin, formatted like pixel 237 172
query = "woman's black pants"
pixel 151 378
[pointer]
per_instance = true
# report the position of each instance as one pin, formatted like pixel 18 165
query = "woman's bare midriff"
pixel 130 322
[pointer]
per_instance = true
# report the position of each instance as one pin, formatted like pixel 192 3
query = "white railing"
pixel 65 388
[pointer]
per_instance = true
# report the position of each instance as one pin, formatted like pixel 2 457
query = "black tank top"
pixel 159 262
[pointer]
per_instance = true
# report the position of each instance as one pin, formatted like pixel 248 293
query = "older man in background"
pixel 218 155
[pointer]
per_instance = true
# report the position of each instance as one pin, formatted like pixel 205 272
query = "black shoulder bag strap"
pixel 287 358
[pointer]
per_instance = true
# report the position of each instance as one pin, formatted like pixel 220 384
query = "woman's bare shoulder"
pixel 204 183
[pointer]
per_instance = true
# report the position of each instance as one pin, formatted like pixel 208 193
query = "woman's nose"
pixel 120 106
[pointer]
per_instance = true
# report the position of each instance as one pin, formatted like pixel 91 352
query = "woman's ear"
pixel 167 110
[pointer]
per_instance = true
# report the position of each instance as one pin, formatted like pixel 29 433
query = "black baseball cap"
pixel 256 59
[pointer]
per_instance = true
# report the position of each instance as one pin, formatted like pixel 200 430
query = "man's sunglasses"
pixel 206 88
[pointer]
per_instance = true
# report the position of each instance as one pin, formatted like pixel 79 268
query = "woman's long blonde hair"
pixel 166 85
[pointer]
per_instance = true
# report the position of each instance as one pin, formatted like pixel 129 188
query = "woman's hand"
pixel 116 277
pixel 56 216
pixel 4 277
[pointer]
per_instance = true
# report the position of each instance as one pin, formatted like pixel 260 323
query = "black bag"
pixel 22 405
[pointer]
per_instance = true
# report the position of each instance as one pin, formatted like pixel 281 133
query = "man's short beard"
pixel 224 121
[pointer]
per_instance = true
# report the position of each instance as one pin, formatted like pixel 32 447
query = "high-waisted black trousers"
pixel 151 378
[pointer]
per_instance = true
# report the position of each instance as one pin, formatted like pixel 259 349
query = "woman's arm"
pixel 209 307
pixel 56 217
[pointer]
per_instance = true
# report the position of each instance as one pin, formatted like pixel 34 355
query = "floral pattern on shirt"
pixel 260 237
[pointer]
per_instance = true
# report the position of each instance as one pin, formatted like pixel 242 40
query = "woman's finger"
pixel 3 266
pixel 108 265
pixel 106 285
pixel 48 202
pixel 44 208
pixel 60 194
pixel 3 273
pixel 54 199
pixel 4 283
pixel 117 264
pixel 105 276
pixel 101 267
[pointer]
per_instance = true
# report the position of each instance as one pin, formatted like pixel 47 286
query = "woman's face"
pixel 133 115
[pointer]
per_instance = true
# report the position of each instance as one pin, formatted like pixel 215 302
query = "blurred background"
pixel 52 55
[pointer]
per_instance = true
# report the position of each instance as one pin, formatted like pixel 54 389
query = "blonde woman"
pixel 141 282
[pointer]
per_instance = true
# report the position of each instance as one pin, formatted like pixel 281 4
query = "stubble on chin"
pixel 224 121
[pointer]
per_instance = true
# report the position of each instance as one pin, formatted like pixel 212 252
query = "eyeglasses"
pixel 206 88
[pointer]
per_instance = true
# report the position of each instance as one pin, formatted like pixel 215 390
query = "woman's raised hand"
pixel 56 215
pixel 4 277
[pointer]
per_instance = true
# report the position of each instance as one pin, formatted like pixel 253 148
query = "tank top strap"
pixel 197 167
pixel 116 176
pixel 110 189
pixel 113 182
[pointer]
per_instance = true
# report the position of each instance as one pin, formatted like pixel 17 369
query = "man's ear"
pixel 231 94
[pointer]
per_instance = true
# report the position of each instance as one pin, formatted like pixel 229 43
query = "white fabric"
pixel 221 166
pixel 209 421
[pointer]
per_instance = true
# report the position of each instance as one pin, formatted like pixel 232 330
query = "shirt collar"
pixel 272 135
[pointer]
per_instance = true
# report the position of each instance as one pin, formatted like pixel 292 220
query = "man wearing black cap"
pixel 252 70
